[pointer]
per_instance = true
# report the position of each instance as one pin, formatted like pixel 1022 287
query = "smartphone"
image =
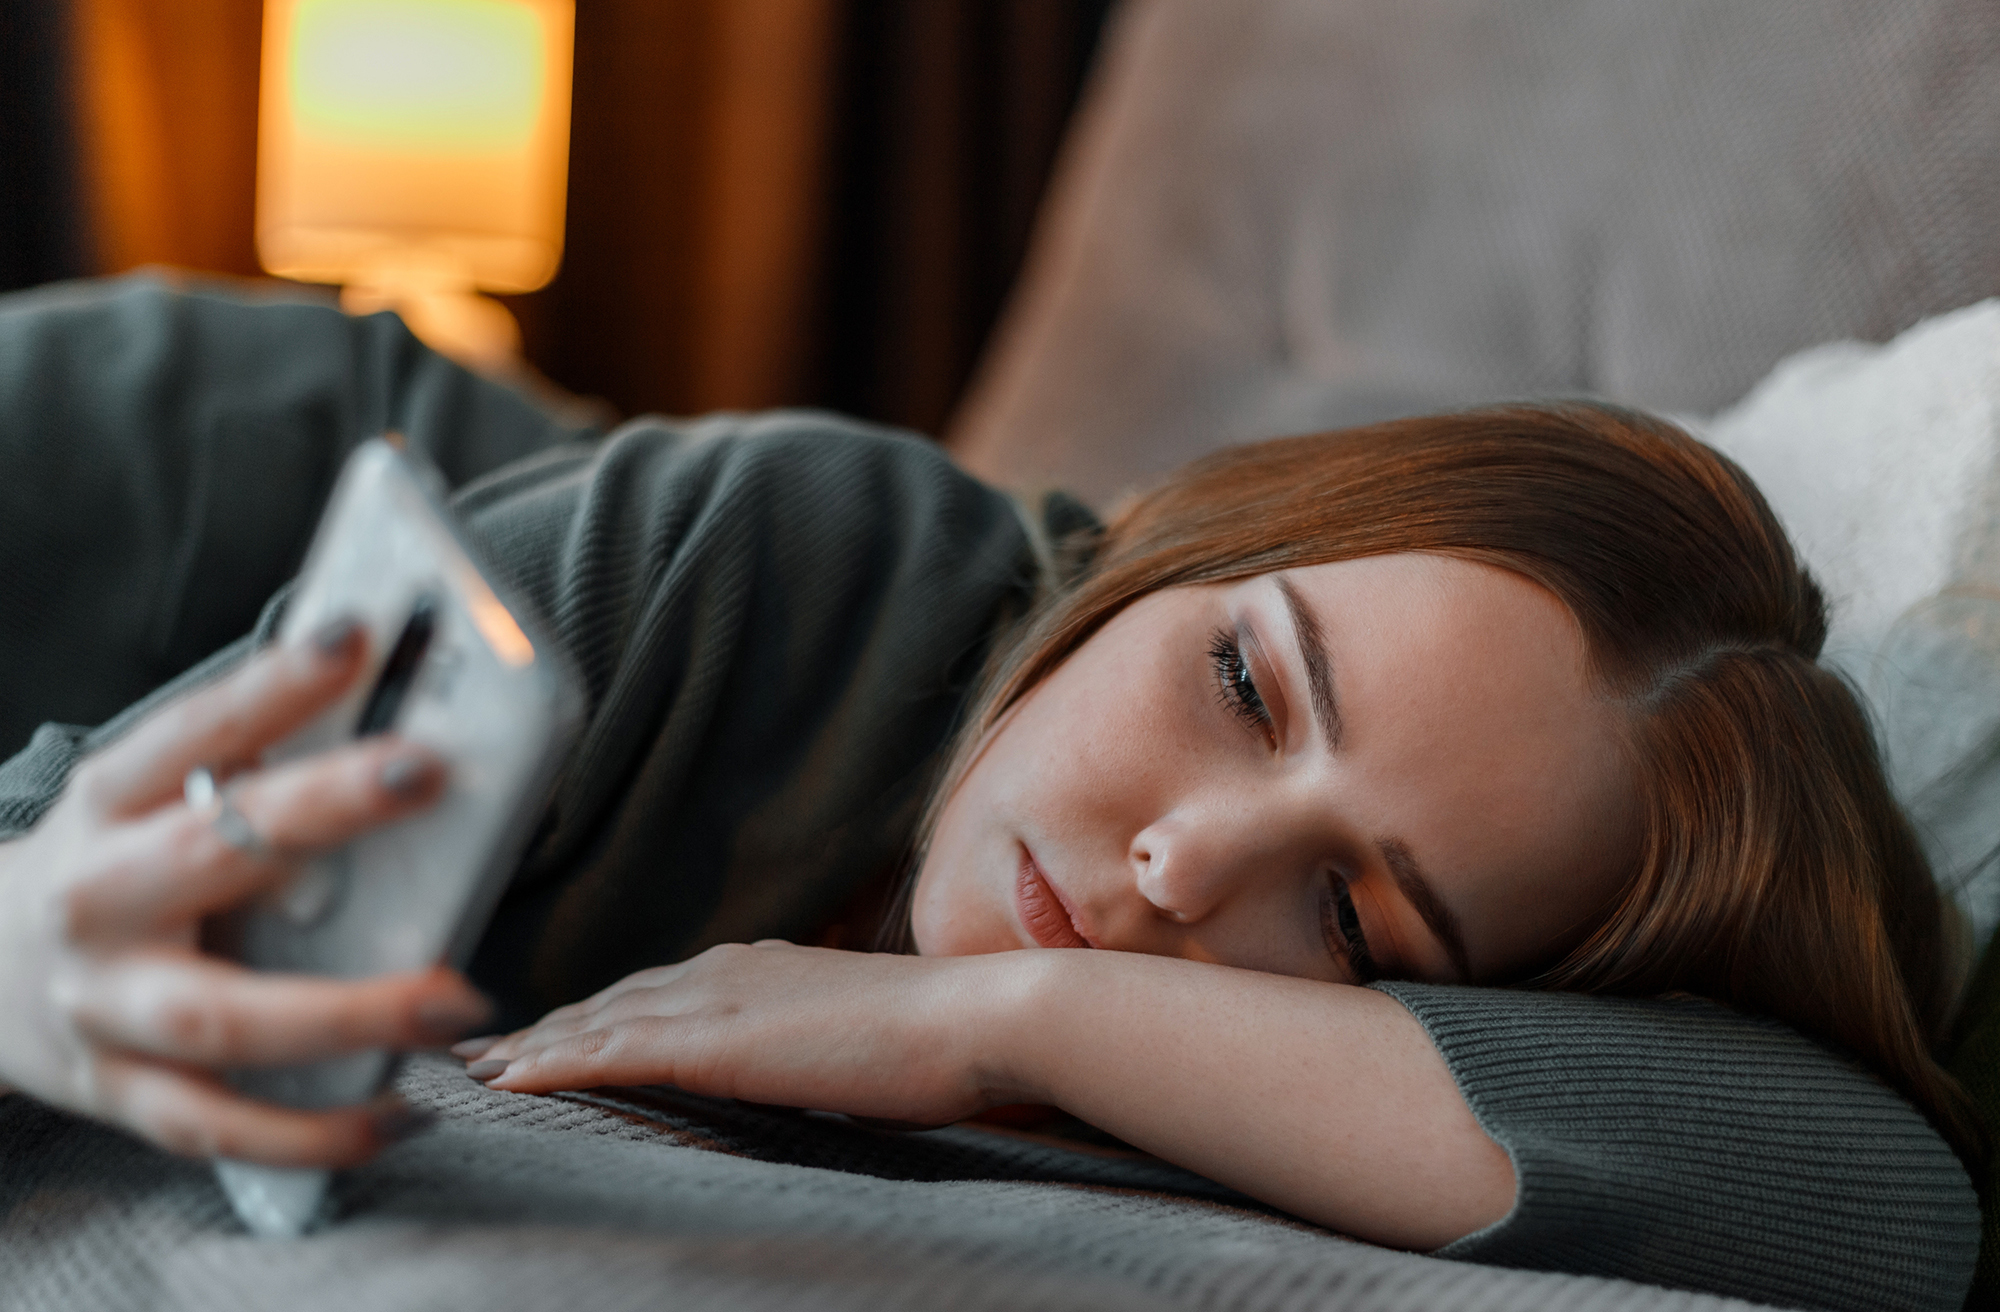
pixel 457 664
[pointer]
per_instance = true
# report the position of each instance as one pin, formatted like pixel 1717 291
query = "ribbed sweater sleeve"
pixel 777 618
pixel 1678 1142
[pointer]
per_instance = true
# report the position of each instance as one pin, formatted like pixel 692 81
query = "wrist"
pixel 1023 1005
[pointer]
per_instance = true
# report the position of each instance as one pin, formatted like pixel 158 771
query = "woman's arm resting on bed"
pixel 1325 1100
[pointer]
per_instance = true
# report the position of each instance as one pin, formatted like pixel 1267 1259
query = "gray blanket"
pixel 652 1199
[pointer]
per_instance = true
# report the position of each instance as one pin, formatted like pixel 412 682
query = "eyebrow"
pixel 1409 877
pixel 1319 670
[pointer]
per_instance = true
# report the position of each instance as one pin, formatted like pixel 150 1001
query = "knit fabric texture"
pixel 1673 1139
pixel 647 1199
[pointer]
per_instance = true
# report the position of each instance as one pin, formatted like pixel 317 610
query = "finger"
pixel 175 865
pixel 474 1048
pixel 202 1011
pixel 622 1002
pixel 634 990
pixel 575 1016
pixel 231 720
pixel 543 1032
pixel 638 1051
pixel 325 800
pixel 196 1115
pixel 505 1047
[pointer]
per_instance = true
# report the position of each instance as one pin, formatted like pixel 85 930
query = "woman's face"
pixel 1393 766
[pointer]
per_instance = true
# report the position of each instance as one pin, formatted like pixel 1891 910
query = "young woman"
pixel 1520 696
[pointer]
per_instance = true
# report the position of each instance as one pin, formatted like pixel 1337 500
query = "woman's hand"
pixel 873 1035
pixel 107 1005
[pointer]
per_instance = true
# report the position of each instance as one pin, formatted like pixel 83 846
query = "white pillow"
pixel 1884 464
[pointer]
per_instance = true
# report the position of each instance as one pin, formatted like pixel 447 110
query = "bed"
pixel 651 1198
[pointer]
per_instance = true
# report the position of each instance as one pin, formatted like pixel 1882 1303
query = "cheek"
pixel 944 903
pixel 1065 772
pixel 1095 758
pixel 960 903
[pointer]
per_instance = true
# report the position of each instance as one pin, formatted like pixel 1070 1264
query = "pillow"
pixel 1883 461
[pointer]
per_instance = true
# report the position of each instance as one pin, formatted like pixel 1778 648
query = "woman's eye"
pixel 1234 684
pixel 1344 935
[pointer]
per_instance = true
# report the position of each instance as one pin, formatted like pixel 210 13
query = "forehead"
pixel 1473 732
pixel 1433 612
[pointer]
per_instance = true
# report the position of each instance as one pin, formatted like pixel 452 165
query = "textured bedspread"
pixel 649 1200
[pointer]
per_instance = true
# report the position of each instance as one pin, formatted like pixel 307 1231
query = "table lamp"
pixel 415 151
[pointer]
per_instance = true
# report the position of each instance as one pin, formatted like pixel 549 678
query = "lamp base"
pixel 475 330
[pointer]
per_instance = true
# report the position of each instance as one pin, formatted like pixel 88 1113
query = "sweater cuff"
pixel 33 777
pixel 1677 1142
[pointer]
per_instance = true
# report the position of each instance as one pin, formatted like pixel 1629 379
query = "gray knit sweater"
pixel 777 619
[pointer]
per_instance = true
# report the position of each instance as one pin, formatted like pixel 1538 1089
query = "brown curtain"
pixel 696 196
pixel 166 97
pixel 771 201
pixel 950 118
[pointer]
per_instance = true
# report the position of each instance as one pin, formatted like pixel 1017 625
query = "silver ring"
pixel 203 794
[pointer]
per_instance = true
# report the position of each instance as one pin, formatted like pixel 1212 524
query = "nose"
pixel 1190 862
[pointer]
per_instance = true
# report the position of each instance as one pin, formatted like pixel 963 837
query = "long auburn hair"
pixel 1775 872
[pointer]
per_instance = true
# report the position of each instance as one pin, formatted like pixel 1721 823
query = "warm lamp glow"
pixel 456 77
pixel 416 150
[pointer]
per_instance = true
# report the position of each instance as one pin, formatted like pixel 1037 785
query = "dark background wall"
pixel 771 201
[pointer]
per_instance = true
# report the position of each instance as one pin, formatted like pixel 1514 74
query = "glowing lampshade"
pixel 416 150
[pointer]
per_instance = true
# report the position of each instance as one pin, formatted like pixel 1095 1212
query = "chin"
pixel 948 940
pixel 955 931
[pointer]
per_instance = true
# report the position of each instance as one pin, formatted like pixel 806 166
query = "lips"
pixel 1047 919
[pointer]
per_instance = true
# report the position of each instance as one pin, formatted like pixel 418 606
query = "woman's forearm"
pixel 1323 1099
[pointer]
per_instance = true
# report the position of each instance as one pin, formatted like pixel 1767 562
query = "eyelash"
pixel 1344 933
pixel 1235 689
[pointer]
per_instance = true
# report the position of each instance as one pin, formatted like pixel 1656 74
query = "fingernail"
pixel 398 1120
pixel 408 775
pixel 444 1019
pixel 332 638
pixel 486 1070
pixel 470 1049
